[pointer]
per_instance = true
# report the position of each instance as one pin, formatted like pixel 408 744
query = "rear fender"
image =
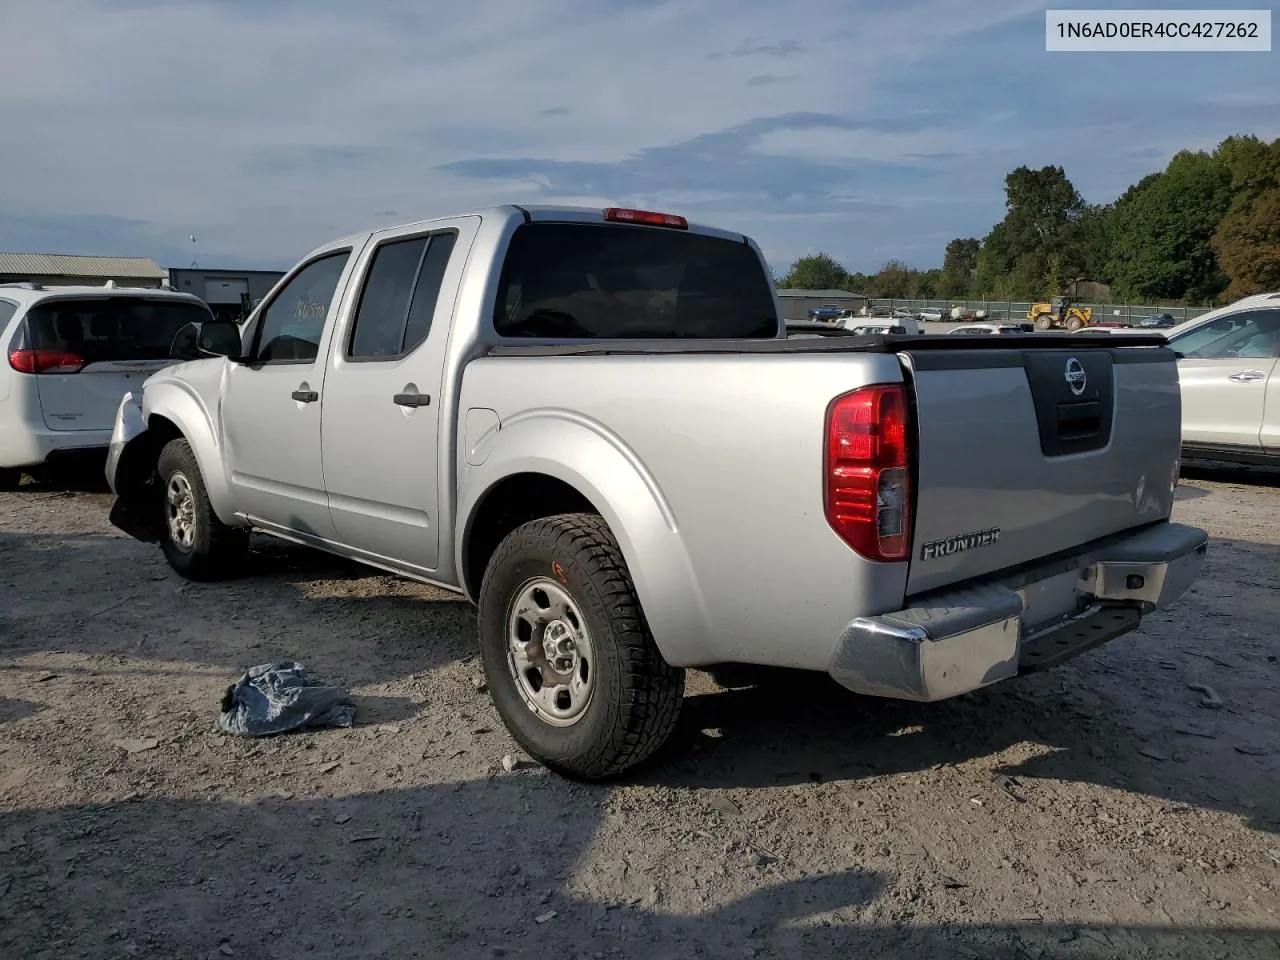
pixel 585 455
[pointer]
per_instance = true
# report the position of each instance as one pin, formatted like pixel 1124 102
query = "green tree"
pixel 1161 246
pixel 959 267
pixel 1042 210
pixel 1053 279
pixel 860 283
pixel 925 283
pixel 893 280
pixel 1247 241
pixel 818 271
pixel 1088 244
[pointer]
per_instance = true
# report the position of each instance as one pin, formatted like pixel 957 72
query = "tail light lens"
pixel 867 471
pixel 46 361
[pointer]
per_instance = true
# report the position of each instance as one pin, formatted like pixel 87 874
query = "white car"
pixel 874 326
pixel 1229 371
pixel 71 354
pixel 985 329
pixel 931 315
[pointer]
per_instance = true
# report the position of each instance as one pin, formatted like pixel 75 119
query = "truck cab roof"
pixel 514 214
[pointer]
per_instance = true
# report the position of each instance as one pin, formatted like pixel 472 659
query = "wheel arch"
pixel 173 412
pixel 590 473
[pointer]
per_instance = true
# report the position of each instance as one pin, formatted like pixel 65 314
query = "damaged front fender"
pixel 129 426
pixel 131 464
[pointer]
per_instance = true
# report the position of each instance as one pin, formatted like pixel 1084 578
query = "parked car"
pixel 593 424
pixel 1159 320
pixel 980 329
pixel 828 312
pixel 930 315
pixel 1229 369
pixel 863 326
pixel 72 353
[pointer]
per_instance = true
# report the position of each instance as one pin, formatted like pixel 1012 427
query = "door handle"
pixel 305 396
pixel 411 400
pixel 1246 376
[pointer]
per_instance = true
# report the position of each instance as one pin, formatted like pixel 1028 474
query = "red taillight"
pixel 867 471
pixel 46 361
pixel 647 217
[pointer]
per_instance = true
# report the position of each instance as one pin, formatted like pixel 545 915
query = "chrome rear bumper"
pixel 952 642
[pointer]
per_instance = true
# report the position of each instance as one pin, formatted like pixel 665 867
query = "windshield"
pixel 582 280
pixel 111 328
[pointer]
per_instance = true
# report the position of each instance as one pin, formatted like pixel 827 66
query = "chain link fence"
pixel 1014 310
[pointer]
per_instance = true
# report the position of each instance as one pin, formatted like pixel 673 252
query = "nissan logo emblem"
pixel 1075 376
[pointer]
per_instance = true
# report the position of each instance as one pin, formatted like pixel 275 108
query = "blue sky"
pixel 871 131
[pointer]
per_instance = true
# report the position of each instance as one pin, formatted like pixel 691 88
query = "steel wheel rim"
pixel 180 511
pixel 549 652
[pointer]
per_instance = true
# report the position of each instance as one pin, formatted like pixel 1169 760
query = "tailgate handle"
pixel 1079 420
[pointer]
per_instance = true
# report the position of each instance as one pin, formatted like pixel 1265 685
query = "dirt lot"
pixel 1096 811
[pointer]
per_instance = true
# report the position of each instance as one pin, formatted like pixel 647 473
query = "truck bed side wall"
pixel 716 495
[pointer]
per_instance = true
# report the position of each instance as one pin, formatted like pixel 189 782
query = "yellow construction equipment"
pixel 1060 314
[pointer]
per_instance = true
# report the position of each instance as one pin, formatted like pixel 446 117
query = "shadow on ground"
pixel 770 727
pixel 1221 472
pixel 285 879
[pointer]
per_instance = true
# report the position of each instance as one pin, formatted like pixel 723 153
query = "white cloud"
pixel 267 126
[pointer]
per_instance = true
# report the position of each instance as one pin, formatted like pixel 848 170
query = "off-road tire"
pixel 10 478
pixel 1074 324
pixel 1044 322
pixel 636 699
pixel 217 551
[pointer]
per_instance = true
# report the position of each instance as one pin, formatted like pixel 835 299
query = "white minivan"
pixel 71 354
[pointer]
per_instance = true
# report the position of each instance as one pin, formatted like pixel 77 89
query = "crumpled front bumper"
pixel 952 642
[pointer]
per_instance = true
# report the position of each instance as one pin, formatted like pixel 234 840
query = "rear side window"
pixel 399 297
pixel 608 281
pixel 110 328
pixel 7 310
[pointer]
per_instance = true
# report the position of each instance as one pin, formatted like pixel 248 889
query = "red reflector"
pixel 867 471
pixel 647 217
pixel 46 361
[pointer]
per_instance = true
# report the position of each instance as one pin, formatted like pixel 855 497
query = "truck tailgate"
pixel 1031 449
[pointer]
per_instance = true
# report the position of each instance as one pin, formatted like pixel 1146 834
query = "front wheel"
pixel 195 542
pixel 1074 324
pixel 574 671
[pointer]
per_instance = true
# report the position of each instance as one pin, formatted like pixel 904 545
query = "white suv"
pixel 71 354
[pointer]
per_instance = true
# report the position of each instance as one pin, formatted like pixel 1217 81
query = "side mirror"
pixel 211 338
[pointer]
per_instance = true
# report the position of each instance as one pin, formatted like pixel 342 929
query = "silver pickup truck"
pixel 593 424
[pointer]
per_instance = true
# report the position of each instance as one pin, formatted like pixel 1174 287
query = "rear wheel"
pixel 1044 322
pixel 10 477
pixel 574 671
pixel 195 542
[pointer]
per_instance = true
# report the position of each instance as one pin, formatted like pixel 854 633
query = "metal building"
pixel 62 270
pixel 796 303
pixel 231 294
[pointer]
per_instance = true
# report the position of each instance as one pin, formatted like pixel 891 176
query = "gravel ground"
pixel 1099 810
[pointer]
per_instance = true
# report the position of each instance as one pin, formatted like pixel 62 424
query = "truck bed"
pixel 1008 465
